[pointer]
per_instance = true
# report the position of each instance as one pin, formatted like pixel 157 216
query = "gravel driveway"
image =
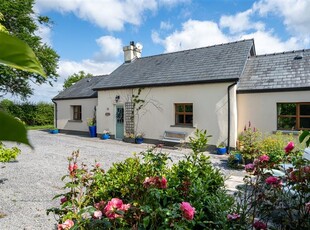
pixel 28 185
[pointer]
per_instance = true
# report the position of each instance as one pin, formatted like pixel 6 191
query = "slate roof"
pixel 276 72
pixel 219 63
pixel 81 89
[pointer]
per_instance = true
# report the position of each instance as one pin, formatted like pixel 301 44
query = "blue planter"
pixel 221 151
pixel 105 136
pixel 53 131
pixel 238 158
pixel 139 140
pixel 93 131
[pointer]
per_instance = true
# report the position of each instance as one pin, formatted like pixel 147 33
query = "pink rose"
pixel 290 146
pixel 100 205
pixel 249 167
pixel 75 166
pixel 233 216
pixel 70 167
pixel 274 181
pixel 187 210
pixel 259 225
pixel 63 200
pixel 66 225
pixel 163 183
pixel 263 158
pixel 98 165
pixel 113 206
pixel 97 215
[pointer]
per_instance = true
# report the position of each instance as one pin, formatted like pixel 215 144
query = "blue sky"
pixel 89 34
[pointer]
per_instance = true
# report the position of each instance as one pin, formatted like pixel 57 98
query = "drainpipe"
pixel 228 130
pixel 55 114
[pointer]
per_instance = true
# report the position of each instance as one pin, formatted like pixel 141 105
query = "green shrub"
pixel 8 154
pixel 149 193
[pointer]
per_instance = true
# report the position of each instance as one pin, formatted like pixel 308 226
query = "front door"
pixel 119 122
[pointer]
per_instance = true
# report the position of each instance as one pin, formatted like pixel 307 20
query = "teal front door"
pixel 119 122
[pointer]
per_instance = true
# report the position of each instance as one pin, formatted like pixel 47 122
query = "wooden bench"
pixel 174 136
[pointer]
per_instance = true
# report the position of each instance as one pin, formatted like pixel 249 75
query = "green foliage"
pixel 32 114
pixel 8 154
pixel 305 137
pixel 75 78
pixel 17 54
pixel 198 143
pixel 249 141
pixel 153 190
pixel 281 201
pixel 12 129
pixel 20 21
pixel 272 145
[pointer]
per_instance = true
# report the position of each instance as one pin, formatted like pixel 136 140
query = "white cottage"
pixel 219 88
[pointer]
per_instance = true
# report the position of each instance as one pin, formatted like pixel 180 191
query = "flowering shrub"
pixel 144 193
pixel 273 199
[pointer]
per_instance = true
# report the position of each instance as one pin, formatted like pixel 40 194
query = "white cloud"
pixel 193 34
pixel 266 42
pixel 45 92
pixel 110 48
pixel 166 25
pixel 172 2
pixel 45 33
pixel 240 22
pixel 295 13
pixel 109 14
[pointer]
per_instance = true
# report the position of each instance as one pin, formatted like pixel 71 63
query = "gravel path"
pixel 28 185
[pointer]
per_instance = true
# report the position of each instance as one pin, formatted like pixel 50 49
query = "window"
pixel 77 112
pixel 184 114
pixel 293 116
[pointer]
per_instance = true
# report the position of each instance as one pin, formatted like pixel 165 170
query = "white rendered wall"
pixel 209 110
pixel 64 113
pixel 261 108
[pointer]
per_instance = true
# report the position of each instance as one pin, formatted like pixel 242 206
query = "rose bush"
pixel 273 199
pixel 143 192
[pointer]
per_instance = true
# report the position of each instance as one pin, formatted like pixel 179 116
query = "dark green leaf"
pixel 12 130
pixel 303 136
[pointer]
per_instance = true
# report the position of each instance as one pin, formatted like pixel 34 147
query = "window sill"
pixel 78 121
pixel 183 126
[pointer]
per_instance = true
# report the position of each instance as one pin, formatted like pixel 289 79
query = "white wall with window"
pixel 274 111
pixel 73 114
pixel 175 108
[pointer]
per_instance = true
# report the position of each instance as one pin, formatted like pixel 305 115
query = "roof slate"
pixel 81 89
pixel 209 64
pixel 278 71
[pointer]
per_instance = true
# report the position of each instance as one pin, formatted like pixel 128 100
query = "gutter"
pixel 55 113
pixel 228 103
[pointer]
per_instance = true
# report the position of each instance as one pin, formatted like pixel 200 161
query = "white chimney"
pixel 132 51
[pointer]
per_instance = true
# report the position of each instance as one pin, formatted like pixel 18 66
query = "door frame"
pixel 123 107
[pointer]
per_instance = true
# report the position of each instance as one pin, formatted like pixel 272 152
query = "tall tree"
pixel 75 78
pixel 21 21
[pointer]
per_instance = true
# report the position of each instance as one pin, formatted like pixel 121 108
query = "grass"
pixel 39 127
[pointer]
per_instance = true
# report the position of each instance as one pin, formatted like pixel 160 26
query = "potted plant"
pixel 91 122
pixel 53 130
pixel 221 149
pixel 105 135
pixel 139 138
pixel 129 138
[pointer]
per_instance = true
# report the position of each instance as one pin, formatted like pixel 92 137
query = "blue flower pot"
pixel 221 151
pixel 93 131
pixel 53 131
pixel 105 136
pixel 139 140
pixel 238 158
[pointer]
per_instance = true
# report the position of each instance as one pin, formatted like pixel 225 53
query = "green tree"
pixel 21 21
pixel 75 78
